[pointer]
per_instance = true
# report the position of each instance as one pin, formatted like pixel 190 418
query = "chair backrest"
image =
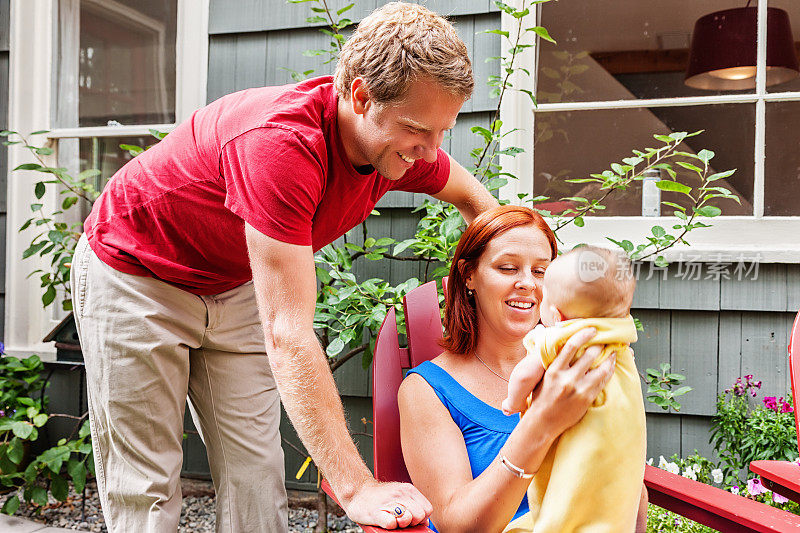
pixel 423 330
pixel 794 372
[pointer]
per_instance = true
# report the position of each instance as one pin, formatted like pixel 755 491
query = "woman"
pixel 477 469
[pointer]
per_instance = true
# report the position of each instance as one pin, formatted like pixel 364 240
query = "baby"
pixel 591 478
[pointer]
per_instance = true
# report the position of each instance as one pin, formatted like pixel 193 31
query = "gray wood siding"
pixel 713 328
pixel 245 16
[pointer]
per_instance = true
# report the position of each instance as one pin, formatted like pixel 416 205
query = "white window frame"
pixel 32 87
pixel 767 239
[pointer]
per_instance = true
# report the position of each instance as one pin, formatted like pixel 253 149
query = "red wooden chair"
pixel 783 477
pixel 702 503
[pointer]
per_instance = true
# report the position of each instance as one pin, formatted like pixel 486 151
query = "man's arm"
pixel 465 192
pixel 285 286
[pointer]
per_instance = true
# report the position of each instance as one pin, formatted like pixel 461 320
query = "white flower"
pixel 696 468
pixel 650 461
pixel 717 475
pixel 672 468
pixel 735 489
pixel 689 473
pixel 662 463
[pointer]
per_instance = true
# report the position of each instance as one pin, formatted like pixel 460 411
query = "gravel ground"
pixel 197 515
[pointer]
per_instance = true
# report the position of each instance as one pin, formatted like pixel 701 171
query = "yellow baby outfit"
pixel 591 478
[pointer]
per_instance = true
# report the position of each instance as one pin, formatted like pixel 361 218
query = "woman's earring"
pixel 470 293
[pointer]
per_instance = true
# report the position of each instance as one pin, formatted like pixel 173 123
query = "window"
pixel 617 76
pixel 116 68
pixel 96 74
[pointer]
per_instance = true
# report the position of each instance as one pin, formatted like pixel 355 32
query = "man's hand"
pixel 388 505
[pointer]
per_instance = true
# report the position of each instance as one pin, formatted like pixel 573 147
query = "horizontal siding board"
pixel 765 337
pixel 240 16
pixel 288 47
pixel 663 435
pixel 695 435
pixel 221 66
pixel 484 45
pixel 683 288
pixel 793 288
pixel 250 70
pixel 449 8
pixel 3 125
pixel 393 199
pixel 235 16
pixel 761 290
pixel 653 346
pixel 730 350
pixel 5 11
pixel 463 140
pixel 694 345
pixel 647 290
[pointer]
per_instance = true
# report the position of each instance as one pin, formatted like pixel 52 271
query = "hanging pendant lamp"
pixel 723 52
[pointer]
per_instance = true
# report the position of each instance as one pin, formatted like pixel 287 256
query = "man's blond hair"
pixel 398 43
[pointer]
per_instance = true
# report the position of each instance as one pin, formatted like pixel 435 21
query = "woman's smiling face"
pixel 507 282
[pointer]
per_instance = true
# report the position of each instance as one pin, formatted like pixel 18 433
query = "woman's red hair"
pixel 460 316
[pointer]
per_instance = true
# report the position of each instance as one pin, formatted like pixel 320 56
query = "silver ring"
pixel 398 511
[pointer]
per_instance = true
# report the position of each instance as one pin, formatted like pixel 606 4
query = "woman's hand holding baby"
pixel 569 388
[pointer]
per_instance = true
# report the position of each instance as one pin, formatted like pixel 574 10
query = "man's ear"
pixel 359 96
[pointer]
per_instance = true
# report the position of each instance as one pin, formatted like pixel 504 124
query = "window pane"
pixel 101 153
pixel 620 49
pixel 579 143
pixel 792 8
pixel 104 153
pixel 782 161
pixel 127 62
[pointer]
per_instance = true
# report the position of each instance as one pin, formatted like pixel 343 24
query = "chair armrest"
pixel 782 477
pixel 714 507
pixel 374 529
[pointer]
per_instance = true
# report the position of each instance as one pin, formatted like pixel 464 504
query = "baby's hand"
pixel 524 378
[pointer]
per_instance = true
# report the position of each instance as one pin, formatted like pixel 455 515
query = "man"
pixel 249 188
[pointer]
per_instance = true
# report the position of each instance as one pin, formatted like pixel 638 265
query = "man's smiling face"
pixel 392 137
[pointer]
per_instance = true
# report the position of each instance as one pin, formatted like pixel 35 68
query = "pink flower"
pixel 755 487
pixel 771 402
pixel 777 498
pixel 786 407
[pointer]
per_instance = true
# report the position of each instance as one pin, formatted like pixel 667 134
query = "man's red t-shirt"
pixel 269 156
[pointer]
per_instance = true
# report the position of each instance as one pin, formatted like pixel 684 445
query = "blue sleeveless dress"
pixel 485 428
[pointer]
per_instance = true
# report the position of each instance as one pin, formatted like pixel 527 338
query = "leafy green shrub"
pixel 23 411
pixel 741 433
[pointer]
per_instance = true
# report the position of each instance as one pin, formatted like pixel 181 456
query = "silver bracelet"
pixel 514 469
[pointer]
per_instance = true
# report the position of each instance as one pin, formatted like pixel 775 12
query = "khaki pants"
pixel 147 345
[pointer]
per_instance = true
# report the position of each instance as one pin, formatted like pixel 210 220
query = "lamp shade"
pixel 723 52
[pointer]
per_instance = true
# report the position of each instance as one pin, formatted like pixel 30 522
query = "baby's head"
pixel 586 282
